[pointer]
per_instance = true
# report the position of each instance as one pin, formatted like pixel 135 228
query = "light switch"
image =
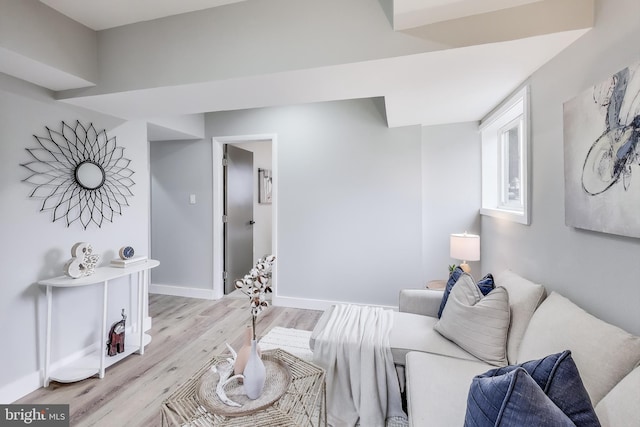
pixel 192 199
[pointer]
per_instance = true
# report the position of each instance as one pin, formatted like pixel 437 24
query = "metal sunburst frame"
pixel 55 167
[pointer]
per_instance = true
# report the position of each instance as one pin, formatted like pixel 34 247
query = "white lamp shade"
pixel 465 247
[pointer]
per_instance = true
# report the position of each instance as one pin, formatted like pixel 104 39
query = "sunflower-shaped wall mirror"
pixel 90 175
pixel 80 174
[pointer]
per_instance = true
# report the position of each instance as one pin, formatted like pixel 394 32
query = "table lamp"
pixel 465 247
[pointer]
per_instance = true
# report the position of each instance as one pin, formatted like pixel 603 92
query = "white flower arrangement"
pixel 255 285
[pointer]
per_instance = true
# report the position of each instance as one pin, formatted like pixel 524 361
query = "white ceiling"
pixel 449 86
pixel 414 13
pixel 104 14
pixel 452 85
pixel 101 14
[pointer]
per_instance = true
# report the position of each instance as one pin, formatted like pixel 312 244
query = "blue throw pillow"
pixel 556 376
pixel 486 285
pixel 510 400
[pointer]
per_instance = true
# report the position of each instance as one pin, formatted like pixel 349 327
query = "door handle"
pixel 252 222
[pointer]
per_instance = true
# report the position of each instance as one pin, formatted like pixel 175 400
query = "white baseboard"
pixel 181 291
pixel 20 388
pixel 33 381
pixel 317 304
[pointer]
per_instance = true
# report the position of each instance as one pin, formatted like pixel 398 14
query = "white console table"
pixel 96 362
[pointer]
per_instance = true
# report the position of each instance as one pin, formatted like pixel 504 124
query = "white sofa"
pixel 439 373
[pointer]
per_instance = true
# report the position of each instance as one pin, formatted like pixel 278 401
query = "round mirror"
pixel 89 175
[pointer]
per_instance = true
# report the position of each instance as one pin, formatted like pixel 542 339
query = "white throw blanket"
pixel 362 383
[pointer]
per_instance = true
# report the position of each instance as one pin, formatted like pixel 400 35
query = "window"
pixel 504 136
pixel 510 165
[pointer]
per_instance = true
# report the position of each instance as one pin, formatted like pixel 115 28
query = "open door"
pixel 238 211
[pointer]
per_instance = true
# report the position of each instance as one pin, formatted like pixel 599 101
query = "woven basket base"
pixel 276 384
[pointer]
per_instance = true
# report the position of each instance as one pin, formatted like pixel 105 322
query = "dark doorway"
pixel 238 214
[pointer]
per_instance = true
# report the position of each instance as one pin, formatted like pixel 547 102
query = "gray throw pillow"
pixel 485 284
pixel 478 324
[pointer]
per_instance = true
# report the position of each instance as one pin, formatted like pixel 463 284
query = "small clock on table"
pixel 126 252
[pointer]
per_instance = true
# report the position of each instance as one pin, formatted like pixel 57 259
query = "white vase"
pixel 244 352
pixel 254 374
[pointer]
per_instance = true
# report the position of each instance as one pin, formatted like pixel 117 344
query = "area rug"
pixel 295 341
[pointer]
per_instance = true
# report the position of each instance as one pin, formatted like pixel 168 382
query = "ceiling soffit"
pixel 409 97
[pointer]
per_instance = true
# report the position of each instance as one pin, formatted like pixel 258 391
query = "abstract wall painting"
pixel 602 156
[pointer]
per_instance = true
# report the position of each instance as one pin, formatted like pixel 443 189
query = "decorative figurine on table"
pixel 225 372
pixel 83 261
pixel 115 344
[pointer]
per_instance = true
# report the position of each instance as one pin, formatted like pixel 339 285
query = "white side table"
pixel 96 362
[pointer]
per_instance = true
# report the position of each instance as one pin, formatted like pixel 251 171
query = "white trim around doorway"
pixel 218 143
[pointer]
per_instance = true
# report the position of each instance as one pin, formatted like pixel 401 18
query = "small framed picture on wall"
pixel 264 186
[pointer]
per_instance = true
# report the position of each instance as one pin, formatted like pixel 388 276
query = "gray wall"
pixel 366 208
pixel 33 30
pixel 349 199
pixel 450 193
pixel 181 232
pixel 35 248
pixel 600 272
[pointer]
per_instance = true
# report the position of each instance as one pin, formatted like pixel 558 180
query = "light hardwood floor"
pixel 186 333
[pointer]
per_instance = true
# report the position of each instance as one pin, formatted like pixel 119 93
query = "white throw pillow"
pixel 477 324
pixel 620 406
pixel 524 297
pixel 603 353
